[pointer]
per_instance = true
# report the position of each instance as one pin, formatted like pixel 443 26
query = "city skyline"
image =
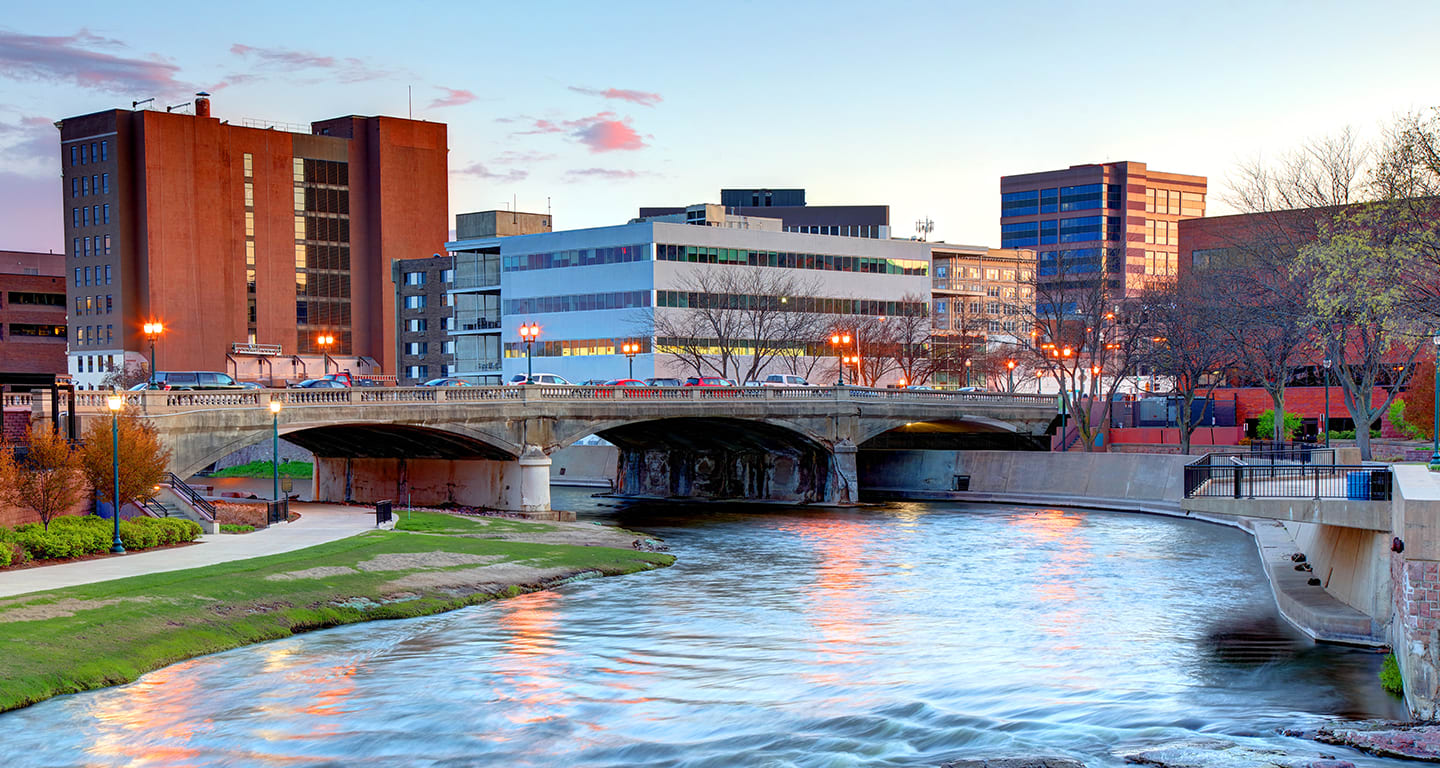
pixel 594 113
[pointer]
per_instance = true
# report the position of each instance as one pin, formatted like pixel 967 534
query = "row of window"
pixel 1063 199
pixel 89 153
pixel 84 186
pixel 421 348
pixel 86 335
pixel 83 275
pixel 815 304
pixel 576 257
pixel 1162 232
pixel 785 260
pixel 871 231
pixel 418 302
pixel 83 215
pixel 1069 262
pixel 34 329
pixel 33 299
pixel 1161 263
pixel 1081 229
pixel 422 372
pixel 98 245
pixel 94 305
pixel 580 302
pixel 575 347
pixel 1174 202
pixel 447 276
pixel 943 270
pixel 95 364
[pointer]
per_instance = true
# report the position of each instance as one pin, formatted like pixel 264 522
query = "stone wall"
pixel 263 452
pixel 1415 587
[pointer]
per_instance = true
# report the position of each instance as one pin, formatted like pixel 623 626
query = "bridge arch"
pixel 969 432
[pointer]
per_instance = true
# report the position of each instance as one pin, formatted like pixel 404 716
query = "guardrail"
pixel 16 400
pixel 151 401
pixel 201 504
pixel 1232 476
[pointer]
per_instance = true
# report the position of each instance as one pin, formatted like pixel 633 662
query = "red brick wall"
pixel 1307 402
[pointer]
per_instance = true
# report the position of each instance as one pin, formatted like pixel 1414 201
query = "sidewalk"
pixel 318 524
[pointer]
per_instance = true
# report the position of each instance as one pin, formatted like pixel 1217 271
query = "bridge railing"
pixel 154 402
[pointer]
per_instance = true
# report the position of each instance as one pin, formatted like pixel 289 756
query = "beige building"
pixel 975 292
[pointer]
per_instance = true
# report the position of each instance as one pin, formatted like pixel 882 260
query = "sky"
pixel 596 109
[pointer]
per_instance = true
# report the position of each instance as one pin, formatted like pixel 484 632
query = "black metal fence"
pixel 200 503
pixel 1234 477
pixel 382 512
pixel 277 511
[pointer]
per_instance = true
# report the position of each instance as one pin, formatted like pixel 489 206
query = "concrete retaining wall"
pixel 585 465
pixel 1136 477
pixel 422 482
pixel 1352 564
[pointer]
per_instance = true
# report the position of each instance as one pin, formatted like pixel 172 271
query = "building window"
pixel 104 151
pixel 414 278
pixel 82 154
pixel 94 153
pixel 449 299
pixel 417 372
pixel 249 195
pixel 1081 198
pixel 74 187
pixel 249 223
pixel 414 302
pixel 1020 203
pixel 447 323
pixel 107 274
pixel 77 276
pixel 415 325
pixel 447 276
pixel 249 164
pixel 105 181
pixel 107 245
pixel 448 347
pixel 84 185
pixel 73 155
pixel 87 275
pixel 84 216
pixel 417 348
pixel 109 334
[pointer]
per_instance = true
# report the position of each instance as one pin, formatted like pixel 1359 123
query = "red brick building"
pixel 258 234
pixel 32 313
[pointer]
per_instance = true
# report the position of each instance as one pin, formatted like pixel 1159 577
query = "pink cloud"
pixel 33 138
pixel 71 59
pixel 511 157
pixel 452 98
pixel 30 212
pixel 643 98
pixel 479 170
pixel 611 174
pixel 609 136
pixel 346 70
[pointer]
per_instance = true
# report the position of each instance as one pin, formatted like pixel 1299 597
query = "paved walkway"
pixel 318 524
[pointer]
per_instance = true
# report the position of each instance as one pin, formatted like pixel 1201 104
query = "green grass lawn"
pixel 267 469
pixel 439 522
pixel 91 636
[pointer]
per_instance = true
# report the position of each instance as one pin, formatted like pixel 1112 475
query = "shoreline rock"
pixel 1382 738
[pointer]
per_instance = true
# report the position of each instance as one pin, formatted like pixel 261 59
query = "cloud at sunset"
pixel 344 69
pixel 643 98
pixel 602 132
pixel 607 174
pixel 452 98
pixel 481 171
pixel 74 60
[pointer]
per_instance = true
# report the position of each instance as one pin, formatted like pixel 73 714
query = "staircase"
pixel 177 499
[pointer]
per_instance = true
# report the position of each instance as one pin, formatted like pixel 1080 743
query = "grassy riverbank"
pixel 266 469
pixel 101 634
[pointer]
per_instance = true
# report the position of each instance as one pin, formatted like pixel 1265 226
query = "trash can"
pixel 1357 486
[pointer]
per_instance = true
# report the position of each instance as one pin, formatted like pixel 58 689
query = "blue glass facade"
pixel 580 302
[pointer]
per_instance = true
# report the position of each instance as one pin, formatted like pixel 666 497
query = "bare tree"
pixel 735 321
pixel 126 375
pixel 910 339
pixel 1323 172
pixel 1084 335
pixel 1187 346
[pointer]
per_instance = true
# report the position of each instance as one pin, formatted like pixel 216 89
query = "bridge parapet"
pixel 159 402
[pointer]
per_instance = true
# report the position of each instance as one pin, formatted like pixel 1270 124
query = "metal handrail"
pixel 200 503
pixel 1238 479
pixel 150 506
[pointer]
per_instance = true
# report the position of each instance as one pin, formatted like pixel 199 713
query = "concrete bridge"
pixel 489 446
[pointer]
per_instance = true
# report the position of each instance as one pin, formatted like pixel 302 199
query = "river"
pixel 898 636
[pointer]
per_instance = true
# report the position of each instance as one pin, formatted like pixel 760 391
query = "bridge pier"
pixel 845 474
pixel 521 485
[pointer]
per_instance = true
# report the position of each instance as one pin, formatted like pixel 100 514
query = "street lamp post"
pixel 153 331
pixel 115 403
pixel 839 341
pixel 1435 412
pixel 631 348
pixel 529 332
pixel 1327 363
pixel 967 372
pixel 325 340
pixel 854 373
pixel 275 445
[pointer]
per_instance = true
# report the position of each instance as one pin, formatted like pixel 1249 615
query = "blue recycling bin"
pixel 1357 486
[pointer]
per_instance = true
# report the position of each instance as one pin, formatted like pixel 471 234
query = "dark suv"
pixel 194 380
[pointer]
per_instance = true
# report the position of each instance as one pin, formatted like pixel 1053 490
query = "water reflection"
pixel 882 637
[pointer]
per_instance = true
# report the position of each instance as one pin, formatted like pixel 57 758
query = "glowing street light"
pixel 631 349
pixel 115 402
pixel 325 341
pixel 839 341
pixel 1010 364
pixel 275 445
pixel 529 332
pixel 152 332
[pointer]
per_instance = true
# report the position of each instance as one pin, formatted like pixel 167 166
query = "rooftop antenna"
pixel 135 104
pixel 547 207
pixel 514 208
pixel 174 107
pixel 924 226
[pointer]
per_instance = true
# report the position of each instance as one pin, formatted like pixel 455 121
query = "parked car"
pixel 251 385
pixel 662 382
pixel 321 384
pixel 928 388
pixel 186 381
pixel 785 380
pixel 446 381
pixel 625 383
pixel 968 389
pixel 548 379
pixel 592 382
pixel 709 381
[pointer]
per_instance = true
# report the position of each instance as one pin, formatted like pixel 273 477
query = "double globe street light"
pixel 152 332
pixel 530 332
pixel 115 402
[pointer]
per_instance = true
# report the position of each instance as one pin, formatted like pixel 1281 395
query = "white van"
pixel 784 380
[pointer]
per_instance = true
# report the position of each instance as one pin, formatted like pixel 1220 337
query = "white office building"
pixel 592 290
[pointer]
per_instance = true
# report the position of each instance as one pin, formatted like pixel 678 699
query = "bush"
pixel 135 535
pixel 1390 678
pixel 1265 426
pixel 73 536
pixel 228 528
pixel 1403 426
pixel 5 555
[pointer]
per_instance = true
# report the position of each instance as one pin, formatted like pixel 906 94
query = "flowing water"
pixel 899 636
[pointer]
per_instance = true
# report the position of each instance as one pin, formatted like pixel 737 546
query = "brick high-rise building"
pixel 1120 220
pixel 238 237
pixel 32 313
